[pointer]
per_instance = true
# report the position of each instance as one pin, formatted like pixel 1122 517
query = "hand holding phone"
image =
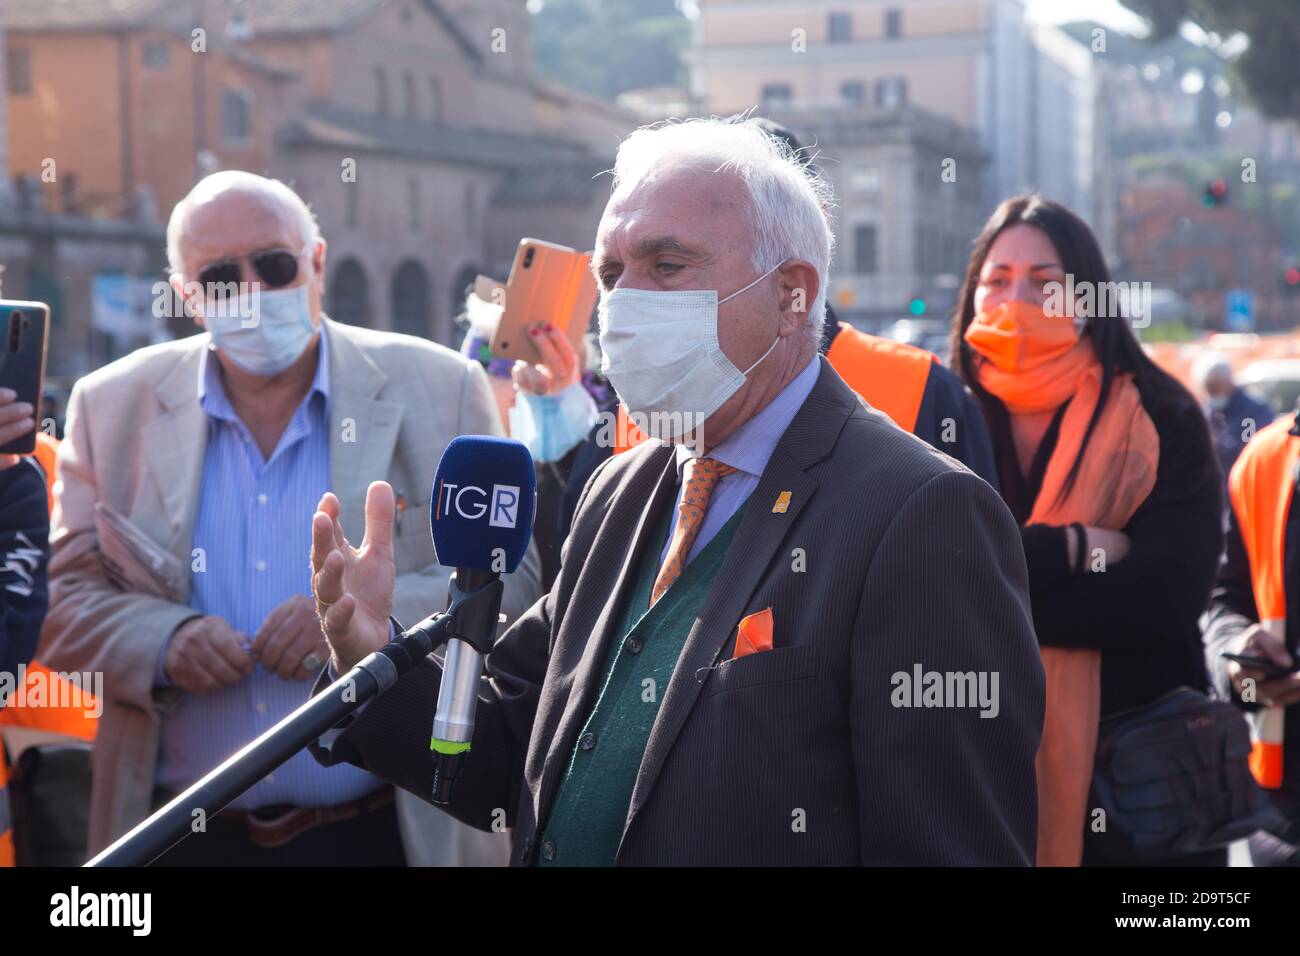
pixel 16 420
pixel 548 285
pixel 1268 668
pixel 24 326
pixel 558 368
pixel 1261 667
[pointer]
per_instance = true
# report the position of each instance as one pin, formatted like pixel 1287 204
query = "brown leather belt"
pixel 272 827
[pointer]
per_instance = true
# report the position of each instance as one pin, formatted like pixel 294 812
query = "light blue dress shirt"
pixel 747 449
pixel 253 524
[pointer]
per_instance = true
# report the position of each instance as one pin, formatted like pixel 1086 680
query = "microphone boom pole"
pixel 216 790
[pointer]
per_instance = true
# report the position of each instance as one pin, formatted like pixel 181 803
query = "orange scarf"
pixel 1033 362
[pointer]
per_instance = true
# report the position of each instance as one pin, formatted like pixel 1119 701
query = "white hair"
pixel 236 180
pixel 482 316
pixel 788 198
pixel 1208 364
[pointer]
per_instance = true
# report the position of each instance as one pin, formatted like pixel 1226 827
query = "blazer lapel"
pixel 649 489
pixel 756 543
pixel 363 428
pixel 809 438
pixel 174 444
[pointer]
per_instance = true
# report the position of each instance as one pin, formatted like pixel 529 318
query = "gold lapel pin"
pixel 782 503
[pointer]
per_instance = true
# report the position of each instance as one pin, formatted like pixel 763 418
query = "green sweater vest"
pixel 587 819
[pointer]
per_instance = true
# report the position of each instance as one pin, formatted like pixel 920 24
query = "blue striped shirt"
pixel 253 525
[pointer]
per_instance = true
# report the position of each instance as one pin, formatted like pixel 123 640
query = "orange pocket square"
pixel 754 634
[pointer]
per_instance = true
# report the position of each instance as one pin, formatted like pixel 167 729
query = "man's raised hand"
pixel 354 586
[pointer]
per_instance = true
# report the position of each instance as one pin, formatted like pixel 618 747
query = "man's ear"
pixel 318 258
pixel 179 287
pixel 799 284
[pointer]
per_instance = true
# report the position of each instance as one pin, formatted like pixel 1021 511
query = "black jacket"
pixel 1141 612
pixel 24 557
pixel 1231 427
pixel 798 755
pixel 949 418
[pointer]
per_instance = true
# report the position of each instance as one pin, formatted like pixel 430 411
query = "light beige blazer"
pixel 135 440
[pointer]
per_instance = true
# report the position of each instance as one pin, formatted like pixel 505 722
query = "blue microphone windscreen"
pixel 482 505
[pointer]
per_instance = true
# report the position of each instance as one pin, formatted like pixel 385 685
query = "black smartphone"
pixel 25 327
pixel 1270 669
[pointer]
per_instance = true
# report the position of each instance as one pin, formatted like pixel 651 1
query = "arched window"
pixel 412 302
pixel 348 294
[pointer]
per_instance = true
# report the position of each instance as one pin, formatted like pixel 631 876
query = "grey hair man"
pixel 721 672
pixel 1234 414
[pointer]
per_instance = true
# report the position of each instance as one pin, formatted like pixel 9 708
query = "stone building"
pixel 1030 94
pixel 908 188
pixel 415 128
pixel 54 256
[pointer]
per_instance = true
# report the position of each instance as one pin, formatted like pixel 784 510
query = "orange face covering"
pixel 1033 362
pixel 1018 336
pixel 1028 359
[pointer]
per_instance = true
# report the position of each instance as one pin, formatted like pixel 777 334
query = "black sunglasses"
pixel 275 268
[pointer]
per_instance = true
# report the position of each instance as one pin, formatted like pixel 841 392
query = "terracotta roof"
pixel 77 14
pixel 256 61
pixel 268 17
pixel 564 181
pixel 331 125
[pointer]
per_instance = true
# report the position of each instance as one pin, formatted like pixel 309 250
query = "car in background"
pixel 929 334
pixel 1276 381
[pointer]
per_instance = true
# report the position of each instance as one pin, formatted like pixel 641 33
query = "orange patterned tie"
pixel 702 474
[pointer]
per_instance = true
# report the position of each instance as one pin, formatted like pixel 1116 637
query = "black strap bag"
pixel 50 792
pixel 1172 777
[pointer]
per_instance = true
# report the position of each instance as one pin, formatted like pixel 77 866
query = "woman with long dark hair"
pixel 1106 463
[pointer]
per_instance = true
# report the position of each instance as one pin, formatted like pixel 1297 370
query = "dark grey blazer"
pixel 890 555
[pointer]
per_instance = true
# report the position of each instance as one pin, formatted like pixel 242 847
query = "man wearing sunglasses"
pixel 193 469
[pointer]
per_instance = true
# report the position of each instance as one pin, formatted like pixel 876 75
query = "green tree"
pixel 1268 68
pixel 608 46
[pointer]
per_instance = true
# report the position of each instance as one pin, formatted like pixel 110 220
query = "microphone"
pixel 481 516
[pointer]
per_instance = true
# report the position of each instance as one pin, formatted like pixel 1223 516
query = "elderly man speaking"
pixel 810 644
pixel 188 477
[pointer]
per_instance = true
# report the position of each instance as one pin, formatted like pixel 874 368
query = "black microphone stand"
pixel 375 674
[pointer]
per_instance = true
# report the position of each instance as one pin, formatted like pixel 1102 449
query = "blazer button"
pixel 633 645
pixel 548 851
pixel 587 741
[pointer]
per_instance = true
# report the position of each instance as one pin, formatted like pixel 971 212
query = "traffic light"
pixel 917 306
pixel 1291 280
pixel 1216 193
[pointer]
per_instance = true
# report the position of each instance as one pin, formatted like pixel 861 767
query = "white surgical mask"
pixel 660 351
pixel 263 333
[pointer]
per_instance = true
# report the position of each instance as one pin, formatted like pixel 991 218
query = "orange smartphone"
pixel 548 283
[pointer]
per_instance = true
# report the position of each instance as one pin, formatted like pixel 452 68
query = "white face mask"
pixel 263 332
pixel 661 354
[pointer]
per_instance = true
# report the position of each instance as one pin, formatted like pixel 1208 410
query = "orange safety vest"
pixel 69 721
pixel 1260 487
pixel 47 449
pixel 890 375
